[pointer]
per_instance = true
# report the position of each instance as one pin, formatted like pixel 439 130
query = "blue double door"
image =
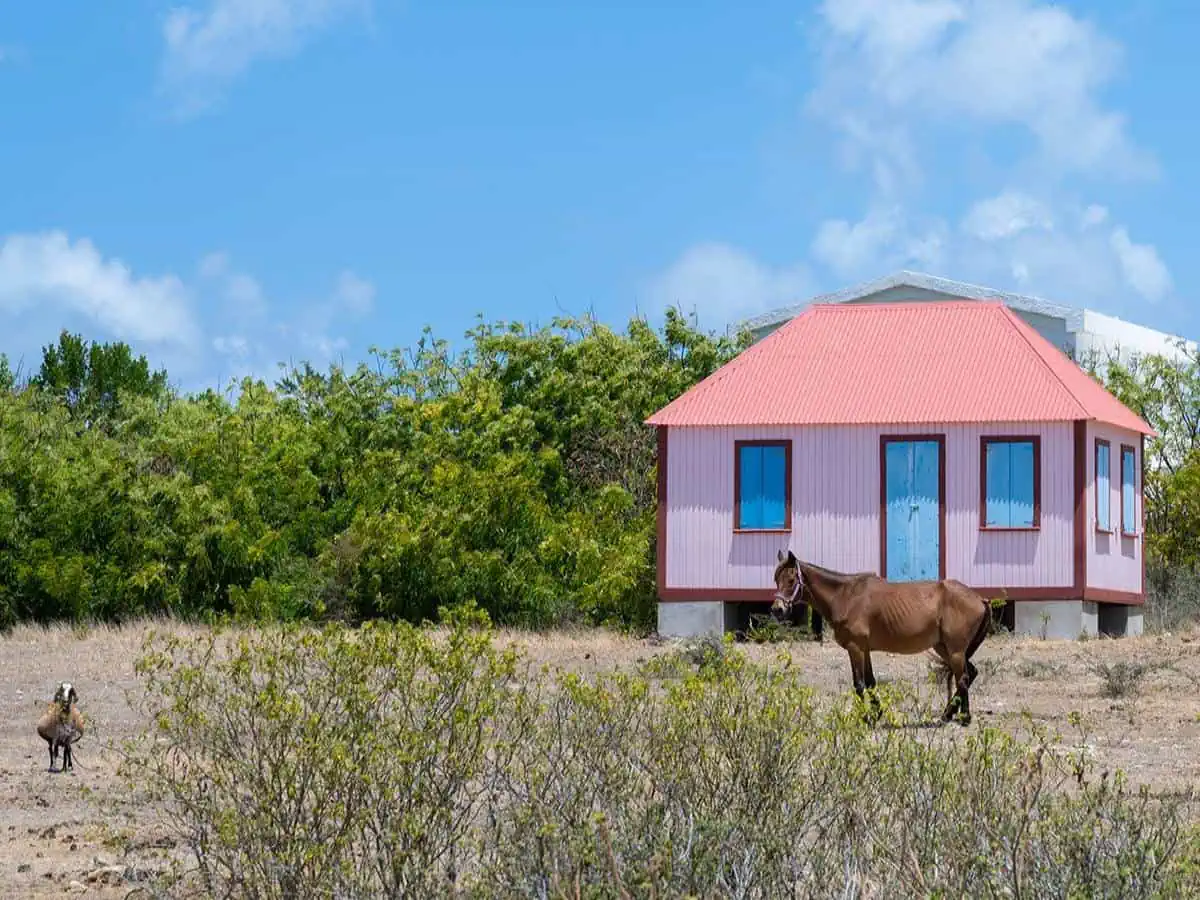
pixel 912 524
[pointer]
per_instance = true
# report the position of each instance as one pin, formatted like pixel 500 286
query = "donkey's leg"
pixel 944 656
pixel 869 679
pixel 818 626
pixel 857 668
pixel 958 667
pixel 981 631
pixel 964 712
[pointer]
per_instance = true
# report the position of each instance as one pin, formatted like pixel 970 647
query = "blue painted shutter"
pixel 926 538
pixel 1129 520
pixel 898 473
pixel 999 483
pixel 1104 498
pixel 1020 504
pixel 1008 495
pixel 774 485
pixel 751 487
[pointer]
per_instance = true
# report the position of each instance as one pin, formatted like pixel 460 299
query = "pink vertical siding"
pixel 835 507
pixel 1114 561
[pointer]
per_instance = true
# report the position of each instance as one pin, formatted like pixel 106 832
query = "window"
pixel 1010 482
pixel 1103 486
pixel 1128 497
pixel 762 486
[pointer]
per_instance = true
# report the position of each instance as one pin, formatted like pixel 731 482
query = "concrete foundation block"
pixel 1133 622
pixel 1120 621
pixel 692 618
pixel 1057 620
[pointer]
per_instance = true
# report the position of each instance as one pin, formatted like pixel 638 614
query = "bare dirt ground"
pixel 64 833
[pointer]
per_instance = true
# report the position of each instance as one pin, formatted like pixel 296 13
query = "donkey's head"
pixel 65 695
pixel 789 586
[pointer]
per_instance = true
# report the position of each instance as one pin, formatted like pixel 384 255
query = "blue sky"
pixel 230 183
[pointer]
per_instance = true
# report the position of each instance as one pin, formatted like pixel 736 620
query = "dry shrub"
pixel 386 762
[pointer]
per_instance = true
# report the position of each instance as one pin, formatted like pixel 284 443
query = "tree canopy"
pixel 518 474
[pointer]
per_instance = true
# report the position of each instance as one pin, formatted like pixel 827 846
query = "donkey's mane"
pixel 832 574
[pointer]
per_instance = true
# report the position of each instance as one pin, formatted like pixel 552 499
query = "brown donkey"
pixel 868 613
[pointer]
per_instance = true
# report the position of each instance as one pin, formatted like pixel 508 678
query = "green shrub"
pixel 394 761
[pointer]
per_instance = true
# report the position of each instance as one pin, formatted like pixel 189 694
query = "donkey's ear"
pixel 792 558
pixel 780 555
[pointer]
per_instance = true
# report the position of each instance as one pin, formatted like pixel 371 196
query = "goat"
pixel 61 725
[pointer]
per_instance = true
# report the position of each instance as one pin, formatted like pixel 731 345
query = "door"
pixel 912 520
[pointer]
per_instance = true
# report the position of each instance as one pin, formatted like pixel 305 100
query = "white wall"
pixel 1105 334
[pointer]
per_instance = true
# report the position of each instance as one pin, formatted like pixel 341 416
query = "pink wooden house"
pixel 915 440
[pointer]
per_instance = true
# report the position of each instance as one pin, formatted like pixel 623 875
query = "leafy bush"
pixel 517 474
pixel 394 761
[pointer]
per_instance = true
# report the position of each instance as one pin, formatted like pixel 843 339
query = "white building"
pixel 1078 332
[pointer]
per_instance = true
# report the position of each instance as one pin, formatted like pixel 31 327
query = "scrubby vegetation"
pixel 397 761
pixel 517 473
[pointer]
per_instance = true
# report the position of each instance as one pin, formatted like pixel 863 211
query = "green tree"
pixel 1165 391
pixel 92 379
pixel 516 474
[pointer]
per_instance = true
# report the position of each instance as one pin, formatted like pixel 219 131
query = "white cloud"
pixel 354 294
pixel 214 265
pixel 883 239
pixel 48 270
pixel 1073 266
pixel 208 48
pixel 217 326
pixel 1095 214
pixel 262 338
pixel 231 345
pixel 723 283
pixel 944 86
pixel 1141 266
pixel 977 62
pixel 1009 240
pixel 902 78
pixel 1006 215
pixel 242 297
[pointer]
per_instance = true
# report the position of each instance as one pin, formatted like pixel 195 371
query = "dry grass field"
pixel 70 833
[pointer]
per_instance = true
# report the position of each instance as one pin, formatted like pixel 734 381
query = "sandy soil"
pixel 59 832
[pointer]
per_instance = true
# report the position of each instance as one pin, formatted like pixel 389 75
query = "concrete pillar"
pixel 1059 620
pixel 691 618
pixel 1133 621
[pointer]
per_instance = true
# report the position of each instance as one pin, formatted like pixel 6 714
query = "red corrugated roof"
pixel 896 363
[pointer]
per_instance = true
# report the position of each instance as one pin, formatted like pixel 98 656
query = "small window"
pixel 1128 496
pixel 1103 486
pixel 762 485
pixel 1011 483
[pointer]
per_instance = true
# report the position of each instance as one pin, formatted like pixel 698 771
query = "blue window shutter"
pixel 1103 488
pixel 774 487
pixel 1020 504
pixel 998 484
pixel 926 489
pixel 1129 520
pixel 751 487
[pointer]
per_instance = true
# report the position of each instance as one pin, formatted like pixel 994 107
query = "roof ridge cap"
pixel 1016 322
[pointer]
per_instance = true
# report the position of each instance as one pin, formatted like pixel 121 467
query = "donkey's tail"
pixel 982 631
